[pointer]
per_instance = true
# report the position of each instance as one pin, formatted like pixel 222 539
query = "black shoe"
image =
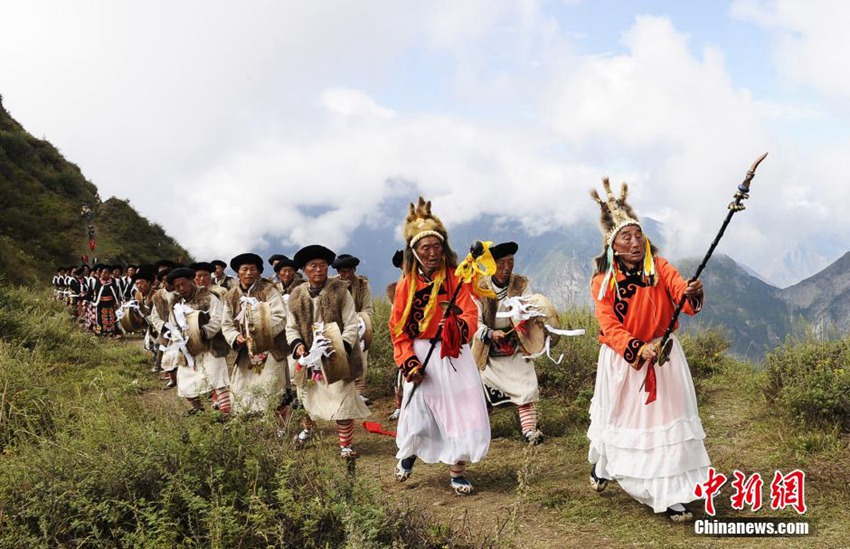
pixel 193 412
pixel 598 484
pixel 171 384
pixel 680 516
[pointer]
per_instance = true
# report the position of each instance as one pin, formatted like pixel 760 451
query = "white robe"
pixel 508 379
pixel 655 452
pixel 337 401
pixel 254 389
pixel 446 420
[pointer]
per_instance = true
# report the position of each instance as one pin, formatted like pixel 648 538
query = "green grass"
pixel 94 454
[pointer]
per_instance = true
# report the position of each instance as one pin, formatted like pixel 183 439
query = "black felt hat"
pixel 180 272
pixel 202 266
pixel 145 272
pixel 218 263
pixel 275 257
pixel 398 257
pixel 285 262
pixel 247 259
pixel 314 251
pixel 504 249
pixel 345 261
pixel 165 263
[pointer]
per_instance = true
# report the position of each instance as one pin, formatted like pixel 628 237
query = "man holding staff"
pixel 645 431
pixel 445 418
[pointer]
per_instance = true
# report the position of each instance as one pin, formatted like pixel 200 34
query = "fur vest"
pixel 264 291
pixel 331 299
pixel 297 281
pixel 361 293
pixel 481 349
pixel 201 302
pixel 391 291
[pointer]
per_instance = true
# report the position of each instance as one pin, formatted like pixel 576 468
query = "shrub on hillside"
pixel 811 380
pixel 705 350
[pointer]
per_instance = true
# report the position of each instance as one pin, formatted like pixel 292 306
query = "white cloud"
pixel 233 126
pixel 811 40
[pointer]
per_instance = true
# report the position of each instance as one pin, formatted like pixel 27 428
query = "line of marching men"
pixel 251 343
pixel 463 344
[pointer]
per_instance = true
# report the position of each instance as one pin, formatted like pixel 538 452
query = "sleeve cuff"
pixel 632 352
pixel 410 364
pixel 294 345
pixel 464 330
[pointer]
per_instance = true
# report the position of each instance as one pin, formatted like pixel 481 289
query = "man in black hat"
pixel 324 301
pixel 58 282
pixel 287 277
pixel 508 377
pixel 107 298
pixel 118 280
pixel 219 278
pixel 162 299
pixel 259 378
pixel 358 285
pixel 203 278
pixel 199 356
pixel 274 259
pixel 142 283
pixel 129 289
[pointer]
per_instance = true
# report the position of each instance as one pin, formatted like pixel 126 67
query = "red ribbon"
pixel 451 337
pixel 376 428
pixel 651 385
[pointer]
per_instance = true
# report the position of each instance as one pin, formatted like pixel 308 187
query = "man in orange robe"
pixel 645 431
pixel 445 418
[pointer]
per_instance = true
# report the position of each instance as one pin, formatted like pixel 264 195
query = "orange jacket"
pixel 403 352
pixel 640 313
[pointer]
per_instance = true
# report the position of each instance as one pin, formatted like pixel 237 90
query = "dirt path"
pixel 540 498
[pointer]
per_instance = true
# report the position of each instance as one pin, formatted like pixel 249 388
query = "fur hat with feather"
pixel 419 223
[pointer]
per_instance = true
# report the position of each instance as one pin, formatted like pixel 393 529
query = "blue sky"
pixel 262 112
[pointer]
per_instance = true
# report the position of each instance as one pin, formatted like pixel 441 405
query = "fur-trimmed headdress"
pixel 615 214
pixel 418 224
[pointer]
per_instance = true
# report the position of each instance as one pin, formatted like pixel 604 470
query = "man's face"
pixel 219 271
pixel 629 245
pixel 184 287
pixel 116 273
pixel 286 275
pixel 202 279
pixel 316 271
pixel 131 271
pixel 504 268
pixel 247 275
pixel 105 274
pixel 347 273
pixel 143 285
pixel 430 252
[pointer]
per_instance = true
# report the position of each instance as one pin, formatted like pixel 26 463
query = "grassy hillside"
pixel 94 454
pixel 41 195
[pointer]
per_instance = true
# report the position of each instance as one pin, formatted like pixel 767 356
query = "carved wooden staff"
pixel 737 205
pixel 476 250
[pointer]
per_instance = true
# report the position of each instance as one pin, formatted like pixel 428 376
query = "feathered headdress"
pixel 418 224
pixel 615 214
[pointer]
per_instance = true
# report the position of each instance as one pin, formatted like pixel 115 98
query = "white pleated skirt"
pixel 512 376
pixel 654 451
pixel 446 419
pixel 255 389
pixel 208 373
